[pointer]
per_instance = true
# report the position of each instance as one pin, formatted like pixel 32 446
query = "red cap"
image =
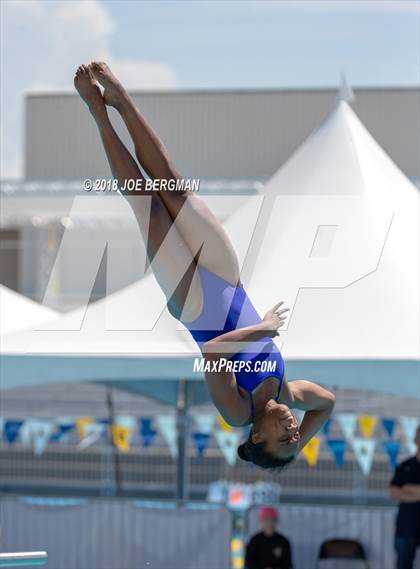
pixel 268 513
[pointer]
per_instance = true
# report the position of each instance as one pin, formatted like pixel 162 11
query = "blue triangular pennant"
pixel 338 448
pixel 389 426
pixel 104 421
pixel 327 425
pixel 147 433
pixel 61 432
pixel 393 450
pixel 11 430
pixel 201 442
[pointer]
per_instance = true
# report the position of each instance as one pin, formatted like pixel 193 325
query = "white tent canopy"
pixel 342 248
pixel 336 235
pixel 101 342
pixel 21 313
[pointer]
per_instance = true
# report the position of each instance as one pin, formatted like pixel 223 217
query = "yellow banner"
pixel 121 437
pixel 367 425
pixel 81 424
pixel 311 451
pixel 223 425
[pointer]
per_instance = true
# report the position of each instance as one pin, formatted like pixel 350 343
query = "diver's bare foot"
pixel 89 90
pixel 114 92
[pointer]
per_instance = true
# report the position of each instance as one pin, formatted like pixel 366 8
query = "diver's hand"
pixel 274 319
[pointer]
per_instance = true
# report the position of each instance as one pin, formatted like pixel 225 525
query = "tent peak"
pixel 345 92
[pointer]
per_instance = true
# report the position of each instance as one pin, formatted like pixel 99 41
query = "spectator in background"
pixel 268 549
pixel 405 488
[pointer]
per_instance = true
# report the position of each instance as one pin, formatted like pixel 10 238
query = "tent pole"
pixel 116 456
pixel 182 429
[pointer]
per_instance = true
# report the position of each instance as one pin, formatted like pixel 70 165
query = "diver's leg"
pixel 170 257
pixel 195 222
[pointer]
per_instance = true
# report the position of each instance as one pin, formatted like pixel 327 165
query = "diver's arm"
pixel 311 423
pixel 318 404
pixel 310 396
pixel 228 344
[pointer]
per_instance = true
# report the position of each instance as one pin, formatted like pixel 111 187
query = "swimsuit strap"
pixel 278 392
pixel 252 406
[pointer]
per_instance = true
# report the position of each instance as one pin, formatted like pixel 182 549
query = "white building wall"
pixel 230 134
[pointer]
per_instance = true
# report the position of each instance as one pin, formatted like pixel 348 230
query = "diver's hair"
pixel 256 453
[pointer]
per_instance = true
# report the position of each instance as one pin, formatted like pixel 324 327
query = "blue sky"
pixel 201 44
pixel 273 44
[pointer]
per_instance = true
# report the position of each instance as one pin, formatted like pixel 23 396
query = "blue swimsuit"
pixel 226 307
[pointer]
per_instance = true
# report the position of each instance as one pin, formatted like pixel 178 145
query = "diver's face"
pixel 278 429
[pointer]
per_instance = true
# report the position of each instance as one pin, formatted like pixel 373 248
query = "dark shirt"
pixel 408 518
pixel 263 552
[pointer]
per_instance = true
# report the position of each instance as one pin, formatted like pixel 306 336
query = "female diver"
pixel 209 299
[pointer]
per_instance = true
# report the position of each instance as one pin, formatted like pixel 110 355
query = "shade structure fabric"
pixel 21 313
pixel 335 234
pixel 354 287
